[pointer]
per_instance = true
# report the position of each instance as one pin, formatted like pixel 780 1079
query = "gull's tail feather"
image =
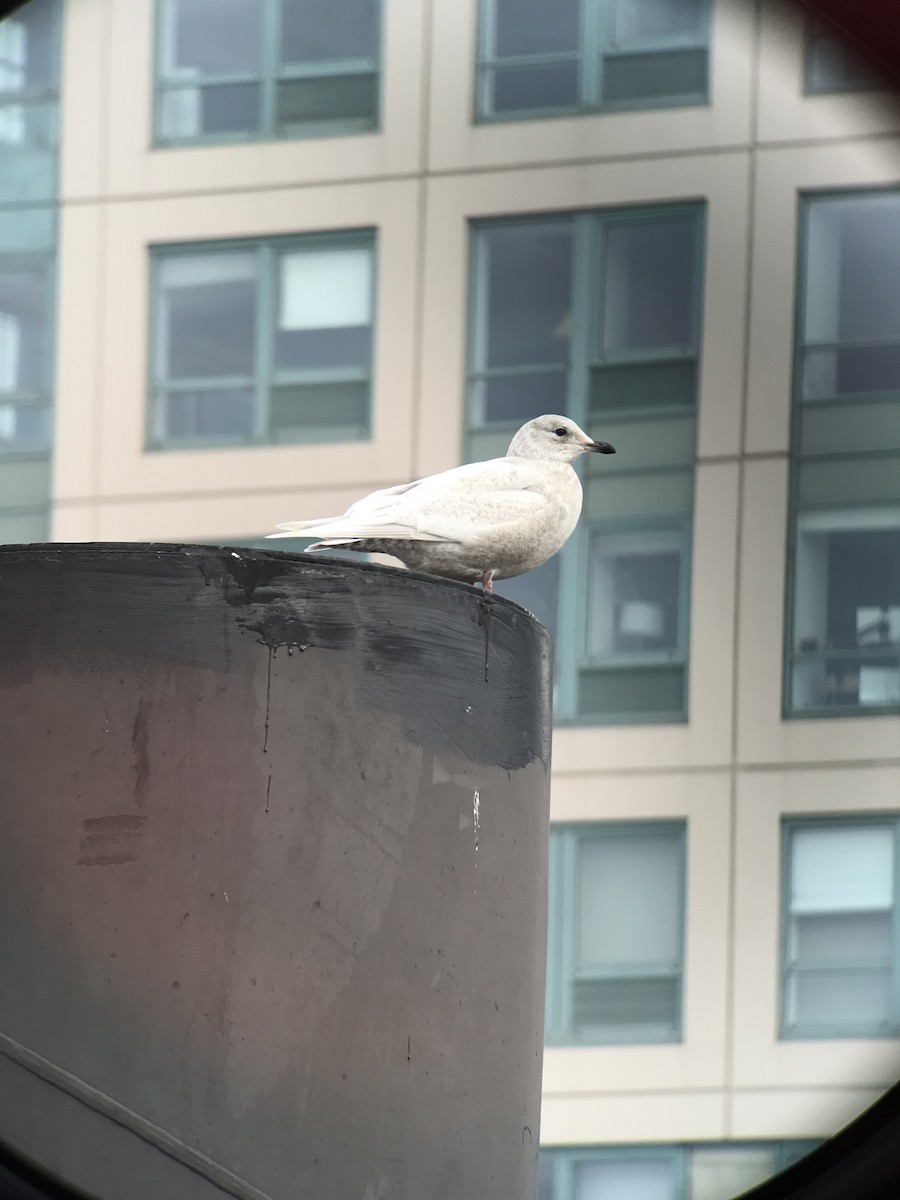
pixel 339 531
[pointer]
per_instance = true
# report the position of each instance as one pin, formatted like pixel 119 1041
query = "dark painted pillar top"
pixel 272 876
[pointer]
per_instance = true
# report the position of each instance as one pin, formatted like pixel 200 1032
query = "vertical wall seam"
pixel 730 989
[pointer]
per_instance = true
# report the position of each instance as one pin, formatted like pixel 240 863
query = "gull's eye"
pixel 560 432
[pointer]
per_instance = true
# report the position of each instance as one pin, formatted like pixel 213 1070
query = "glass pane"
pixel 537 591
pixel 648 285
pixel 27 229
pixel 27 125
pixel 516 399
pixel 24 427
pixel 843 938
pixel 849 480
pixel 852 267
pixel 650 493
pixel 831 66
pixel 209 414
pixel 843 1001
pixel 329 98
pixel 520 89
pixel 546 1190
pixel 24 342
pixel 843 428
pixel 21 527
pixel 851 371
pixel 637 20
pixel 221 108
pixel 634 593
pixel 329 30
pixel 299 413
pixel 534 27
pixel 623 1010
pixel 28 51
pixel 674 75
pixel 847 597
pixel 27 152
pixel 324 309
pixel 727 1172
pixel 25 478
pixel 666 441
pixel 626 1179
pixel 191 48
pixel 632 691
pixel 206 315
pixel 839 683
pixel 643 385
pixel 524 300
pixel 629 901
pixel 845 868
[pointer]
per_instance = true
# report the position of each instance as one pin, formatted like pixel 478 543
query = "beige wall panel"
pixel 782 174
pixel 797 1113
pixel 453 201
pixel 713 596
pixel 135 168
pixel 127 470
pixel 73 522
pixel 84 98
pixel 760 1059
pixel 457 143
pixel 784 113
pixel 219 517
pixel 763 735
pixel 616 1119
pixel 80 305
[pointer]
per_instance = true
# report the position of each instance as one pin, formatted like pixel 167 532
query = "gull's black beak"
pixel 600 448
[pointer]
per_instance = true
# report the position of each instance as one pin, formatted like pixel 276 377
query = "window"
pixel 29 98
pixel 264 342
pixel 29 95
pixel 25 353
pixel 276 68
pixel 839 936
pixel 831 65
pixel 540 59
pixel 616 933
pixel 718 1171
pixel 597 316
pixel 843 633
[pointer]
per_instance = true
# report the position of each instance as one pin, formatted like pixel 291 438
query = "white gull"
pixel 482 521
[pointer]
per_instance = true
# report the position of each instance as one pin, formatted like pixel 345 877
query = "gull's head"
pixel 556 438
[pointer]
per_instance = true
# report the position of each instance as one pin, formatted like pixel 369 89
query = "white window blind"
pixel 649 1179
pixel 206 270
pixel 629 901
pixel 10 340
pixel 719 1174
pixel 325 289
pixel 842 870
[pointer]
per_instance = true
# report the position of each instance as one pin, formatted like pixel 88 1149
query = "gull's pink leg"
pixel 487 581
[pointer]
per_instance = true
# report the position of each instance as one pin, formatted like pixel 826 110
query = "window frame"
pixel 265 377
pixel 269 76
pixel 583 357
pixel 815 34
pixel 43 396
pixel 565 1159
pixel 597 30
pixel 789 826
pixel 563 925
pixel 798 459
